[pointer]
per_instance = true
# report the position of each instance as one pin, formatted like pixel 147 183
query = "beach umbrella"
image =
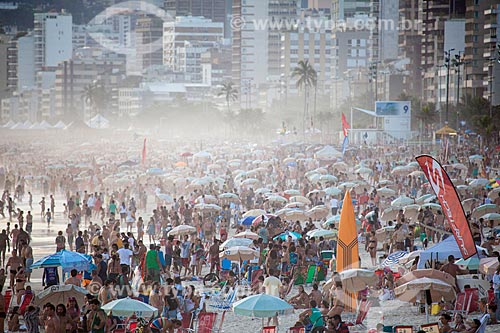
pixel 202 155
pixel 393 258
pixel 317 233
pixel 332 220
pixel 340 166
pixel 402 201
pixel 357 279
pixel 328 179
pixel 254 212
pixel 182 230
pixel 468 203
pixel 207 207
pixel 364 171
pixel 295 215
pixel 416 173
pixel 250 182
pixel 488 265
pixel 383 233
pixel 301 199
pixel 278 199
pixel 292 192
pixel 155 171
pixel 318 212
pixel 180 164
pixel 65 259
pixel 231 242
pixel 473 158
pixel 247 220
pixel 425 273
pixel 459 166
pixel 229 197
pixel 207 199
pixel 426 198
pixel 186 154
pixel 389 214
pixel 332 191
pixel 127 307
pixel 433 207
pixel 261 218
pixel 478 183
pixel 298 205
pixel 494 183
pixel 284 235
pixel 346 185
pixel 262 190
pixel 247 234
pixel 328 153
pixel 484 209
pixel 471 264
pixel 410 256
pixel 493 194
pixel 400 170
pixel 262 306
pixel 410 291
pixel 386 192
pixel 165 197
pixel 491 217
pixel 317 191
pixel 239 253
pixel 60 294
pixel 411 212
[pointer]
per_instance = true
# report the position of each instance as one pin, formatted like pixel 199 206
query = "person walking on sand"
pixel 42 207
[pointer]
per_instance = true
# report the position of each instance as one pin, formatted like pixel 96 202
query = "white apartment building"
pixel 53 39
pixel 196 30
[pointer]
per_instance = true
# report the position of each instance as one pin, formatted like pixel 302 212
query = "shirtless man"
pixel 452 268
pixel 4 243
pixel 51 322
pixel 13 263
pixel 73 279
pixel 27 255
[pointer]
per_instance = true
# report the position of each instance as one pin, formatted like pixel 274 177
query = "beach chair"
pixel 25 301
pixel 462 304
pixel 364 307
pixel 311 274
pixel 227 301
pixel 269 329
pixel 256 273
pixel 484 321
pixel 206 322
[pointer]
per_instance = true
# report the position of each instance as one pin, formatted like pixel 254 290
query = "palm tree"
pixel 306 77
pixel 229 92
pixel 96 95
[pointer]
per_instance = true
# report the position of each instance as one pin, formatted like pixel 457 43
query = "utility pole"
pixel 447 59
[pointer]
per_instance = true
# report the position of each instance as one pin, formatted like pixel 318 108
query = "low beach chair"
pixel 206 322
pixel 364 307
pixel 227 301
pixel 484 321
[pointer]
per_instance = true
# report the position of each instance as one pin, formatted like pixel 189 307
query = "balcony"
pixel 490 26
pixel 490 39
pixel 491 11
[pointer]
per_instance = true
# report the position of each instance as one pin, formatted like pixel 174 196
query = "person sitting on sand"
pixel 301 300
pixel 337 303
pixel 445 320
pixel 474 324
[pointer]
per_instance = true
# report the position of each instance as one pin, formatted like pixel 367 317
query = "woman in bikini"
pixel 372 248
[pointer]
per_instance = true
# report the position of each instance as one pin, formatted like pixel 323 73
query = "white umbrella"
pixel 292 192
pixel 277 199
pixel 402 201
pixel 127 307
pixel 255 212
pixel 318 212
pixel 357 279
pixel 247 234
pixel 333 191
pixel 239 253
pixel 386 192
pixel 231 242
pixel 181 230
pixel 301 199
pixel 317 233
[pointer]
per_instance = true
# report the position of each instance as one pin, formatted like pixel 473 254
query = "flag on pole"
pixel 144 152
pixel 345 144
pixel 453 210
pixel 345 125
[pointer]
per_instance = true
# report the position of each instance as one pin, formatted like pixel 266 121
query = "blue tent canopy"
pixel 442 250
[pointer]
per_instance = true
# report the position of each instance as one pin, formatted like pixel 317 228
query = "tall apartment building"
pixel 410 46
pixel 491 54
pixel 149 34
pixel 384 38
pixel 4 74
pixel 282 12
pixel 192 29
pixel 313 46
pixel 434 13
pixel 21 62
pixel 250 48
pixel 53 39
pixel 211 9
pixel 344 9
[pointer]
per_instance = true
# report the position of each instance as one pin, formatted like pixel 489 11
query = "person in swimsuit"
pixel 372 248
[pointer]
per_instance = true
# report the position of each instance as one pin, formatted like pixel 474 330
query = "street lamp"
pixel 447 59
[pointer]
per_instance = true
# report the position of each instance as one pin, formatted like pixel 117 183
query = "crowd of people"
pixel 121 213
